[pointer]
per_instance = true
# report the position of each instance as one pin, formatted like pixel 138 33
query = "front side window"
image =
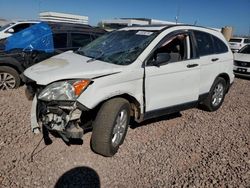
pixel 20 27
pixel 119 47
pixel 173 49
pixel 245 50
pixel 204 43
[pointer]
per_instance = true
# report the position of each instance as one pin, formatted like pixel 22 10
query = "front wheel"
pixel 9 78
pixel 110 126
pixel 216 95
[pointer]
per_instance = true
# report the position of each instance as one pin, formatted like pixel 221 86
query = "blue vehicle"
pixel 37 43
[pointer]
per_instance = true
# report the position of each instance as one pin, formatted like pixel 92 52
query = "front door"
pixel 176 81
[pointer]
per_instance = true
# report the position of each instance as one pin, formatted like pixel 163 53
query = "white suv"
pixel 14 27
pixel 136 72
pixel 237 43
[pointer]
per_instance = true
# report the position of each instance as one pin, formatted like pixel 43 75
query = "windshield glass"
pixel 245 50
pixel 119 47
pixel 5 26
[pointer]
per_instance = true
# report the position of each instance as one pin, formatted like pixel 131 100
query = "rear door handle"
pixel 192 65
pixel 215 59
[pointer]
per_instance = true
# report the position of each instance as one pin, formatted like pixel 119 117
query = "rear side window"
pixel 204 43
pixel 60 40
pixel 220 46
pixel 246 40
pixel 80 40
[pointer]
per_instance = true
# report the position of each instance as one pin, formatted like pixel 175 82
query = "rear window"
pixel 235 40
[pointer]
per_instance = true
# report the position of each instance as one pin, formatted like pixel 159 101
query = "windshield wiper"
pixel 95 58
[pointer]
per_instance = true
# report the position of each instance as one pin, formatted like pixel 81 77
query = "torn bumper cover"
pixel 61 118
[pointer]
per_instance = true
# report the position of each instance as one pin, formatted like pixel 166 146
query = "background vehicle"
pixel 135 72
pixel 242 61
pixel 15 27
pixel 17 58
pixel 237 43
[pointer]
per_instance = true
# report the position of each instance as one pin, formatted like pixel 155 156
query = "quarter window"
pixel 204 43
pixel 220 46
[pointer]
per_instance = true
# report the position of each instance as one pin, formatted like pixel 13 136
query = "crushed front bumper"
pixel 63 118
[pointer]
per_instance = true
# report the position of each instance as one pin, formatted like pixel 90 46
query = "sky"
pixel 209 13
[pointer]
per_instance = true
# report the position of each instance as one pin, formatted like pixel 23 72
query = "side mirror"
pixel 161 58
pixel 11 30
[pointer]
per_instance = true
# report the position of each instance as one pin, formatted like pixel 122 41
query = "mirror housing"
pixel 11 30
pixel 161 58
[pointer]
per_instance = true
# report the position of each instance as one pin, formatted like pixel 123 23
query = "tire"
pixel 216 95
pixel 9 78
pixel 103 140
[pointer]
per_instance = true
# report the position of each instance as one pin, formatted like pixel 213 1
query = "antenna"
pixel 177 14
pixel 195 22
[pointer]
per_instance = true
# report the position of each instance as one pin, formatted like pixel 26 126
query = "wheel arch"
pixel 134 103
pixel 11 62
pixel 226 77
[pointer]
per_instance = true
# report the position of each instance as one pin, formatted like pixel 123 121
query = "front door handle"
pixel 215 59
pixel 192 65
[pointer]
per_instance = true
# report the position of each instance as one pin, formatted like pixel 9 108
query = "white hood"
pixel 242 57
pixel 69 65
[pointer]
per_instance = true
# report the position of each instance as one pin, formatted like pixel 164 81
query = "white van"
pixel 133 73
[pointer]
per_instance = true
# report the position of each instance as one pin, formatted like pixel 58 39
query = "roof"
pixel 70 27
pixel 162 26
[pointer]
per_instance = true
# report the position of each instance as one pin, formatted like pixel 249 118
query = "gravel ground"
pixel 190 149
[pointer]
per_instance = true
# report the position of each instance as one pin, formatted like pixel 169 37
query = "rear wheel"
pixel 9 78
pixel 110 126
pixel 216 95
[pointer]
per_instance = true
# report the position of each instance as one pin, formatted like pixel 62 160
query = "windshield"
pixel 5 26
pixel 245 50
pixel 119 47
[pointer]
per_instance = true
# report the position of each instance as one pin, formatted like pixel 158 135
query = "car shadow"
pixel 79 177
pixel 134 125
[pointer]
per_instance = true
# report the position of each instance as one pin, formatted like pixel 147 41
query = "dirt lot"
pixel 191 149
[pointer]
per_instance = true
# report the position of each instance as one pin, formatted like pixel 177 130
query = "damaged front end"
pixel 55 109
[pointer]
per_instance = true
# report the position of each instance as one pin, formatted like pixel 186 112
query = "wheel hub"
pixel 7 81
pixel 218 94
pixel 119 128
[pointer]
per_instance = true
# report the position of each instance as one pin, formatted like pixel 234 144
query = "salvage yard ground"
pixel 194 148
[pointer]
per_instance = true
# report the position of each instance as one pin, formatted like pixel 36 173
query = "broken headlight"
pixel 64 90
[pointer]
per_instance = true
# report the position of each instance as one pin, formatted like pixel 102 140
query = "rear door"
pixel 175 82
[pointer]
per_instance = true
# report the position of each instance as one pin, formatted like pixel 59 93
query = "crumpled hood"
pixel 242 57
pixel 69 65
